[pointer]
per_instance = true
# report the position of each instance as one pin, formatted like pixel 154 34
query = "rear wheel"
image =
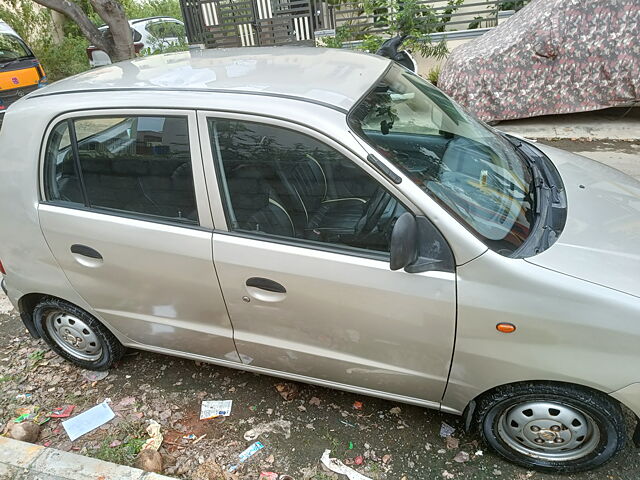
pixel 552 427
pixel 75 335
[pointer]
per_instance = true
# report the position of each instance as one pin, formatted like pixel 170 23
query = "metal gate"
pixel 243 23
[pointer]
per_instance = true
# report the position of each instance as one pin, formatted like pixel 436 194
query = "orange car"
pixel 20 71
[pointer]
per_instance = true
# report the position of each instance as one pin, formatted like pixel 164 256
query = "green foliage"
pixel 399 17
pixel 125 453
pixel 63 60
pixel 434 75
pixel 25 18
pixel 152 8
pixel 513 5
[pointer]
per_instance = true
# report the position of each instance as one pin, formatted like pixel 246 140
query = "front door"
pixel 304 265
pixel 126 215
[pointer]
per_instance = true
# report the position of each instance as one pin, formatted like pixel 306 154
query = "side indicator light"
pixel 506 327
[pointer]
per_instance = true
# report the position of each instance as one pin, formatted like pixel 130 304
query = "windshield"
pixel 470 170
pixel 12 48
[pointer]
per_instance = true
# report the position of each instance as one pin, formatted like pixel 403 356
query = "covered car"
pixel 551 57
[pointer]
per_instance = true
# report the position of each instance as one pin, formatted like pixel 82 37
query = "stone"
pixel 149 460
pixel 25 431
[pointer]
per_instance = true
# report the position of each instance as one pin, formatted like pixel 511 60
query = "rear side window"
pixel 138 165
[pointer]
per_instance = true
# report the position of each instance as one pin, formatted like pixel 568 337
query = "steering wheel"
pixel 375 208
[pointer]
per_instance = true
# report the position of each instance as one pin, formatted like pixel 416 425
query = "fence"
pixel 231 23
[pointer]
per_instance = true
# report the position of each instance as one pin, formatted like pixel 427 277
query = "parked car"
pixel 244 208
pixel 20 71
pixel 149 34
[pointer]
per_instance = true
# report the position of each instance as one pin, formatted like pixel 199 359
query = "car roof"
pixel 333 77
pixel 5 28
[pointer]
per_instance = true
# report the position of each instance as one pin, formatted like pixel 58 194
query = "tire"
pixel 574 428
pixel 75 335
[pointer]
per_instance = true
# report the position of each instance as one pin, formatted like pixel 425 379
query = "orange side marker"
pixel 506 327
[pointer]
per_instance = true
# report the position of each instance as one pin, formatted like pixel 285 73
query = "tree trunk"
pixel 57 19
pixel 113 15
pixel 118 43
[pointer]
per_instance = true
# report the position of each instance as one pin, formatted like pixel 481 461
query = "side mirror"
pixel 404 242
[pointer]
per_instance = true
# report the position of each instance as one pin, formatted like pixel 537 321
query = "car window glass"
pixel 60 166
pixel 139 165
pixel 166 30
pixel 278 182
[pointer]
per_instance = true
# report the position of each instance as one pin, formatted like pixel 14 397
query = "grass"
pixel 36 355
pixel 132 436
pixel 6 378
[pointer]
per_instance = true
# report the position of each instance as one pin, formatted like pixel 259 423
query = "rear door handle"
pixel 85 251
pixel 265 284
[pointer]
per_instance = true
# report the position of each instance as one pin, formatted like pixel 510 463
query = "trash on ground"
pixel 479 453
pixel 215 408
pixel 191 436
pixel 359 460
pixel 22 418
pixel 446 430
pixel 92 376
pixel 288 391
pixel 89 420
pixel 25 431
pixel 337 466
pixel 23 397
pixel 350 445
pixel 246 454
pixel 277 426
pixel 461 457
pixel 149 460
pixel 62 412
pixel 357 405
pixel 268 476
pixel 155 440
pixel 347 423
pixel 452 443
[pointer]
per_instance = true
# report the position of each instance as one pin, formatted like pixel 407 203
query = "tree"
pixel 116 41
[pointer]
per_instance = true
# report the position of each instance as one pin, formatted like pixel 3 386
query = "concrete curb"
pixel 599 125
pixel 25 461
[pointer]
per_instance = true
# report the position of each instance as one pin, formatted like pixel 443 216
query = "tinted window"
pixel 278 182
pixel 139 165
pixel 166 30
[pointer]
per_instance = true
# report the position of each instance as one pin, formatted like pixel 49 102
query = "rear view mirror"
pixel 418 246
pixel 404 242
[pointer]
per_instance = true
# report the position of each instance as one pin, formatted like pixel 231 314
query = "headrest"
pixel 248 188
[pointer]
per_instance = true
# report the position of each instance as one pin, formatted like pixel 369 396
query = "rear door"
pixel 306 281
pixel 125 212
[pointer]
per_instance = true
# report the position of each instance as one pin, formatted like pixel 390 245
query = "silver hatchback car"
pixel 329 217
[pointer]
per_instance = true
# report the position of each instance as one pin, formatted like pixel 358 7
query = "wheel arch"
pixel 469 412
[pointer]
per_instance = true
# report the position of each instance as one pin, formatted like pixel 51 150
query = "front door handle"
pixel 265 284
pixel 85 251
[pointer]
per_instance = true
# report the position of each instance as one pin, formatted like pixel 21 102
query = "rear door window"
pixel 138 165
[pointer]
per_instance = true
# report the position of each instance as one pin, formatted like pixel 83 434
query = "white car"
pixel 148 33
pixel 330 217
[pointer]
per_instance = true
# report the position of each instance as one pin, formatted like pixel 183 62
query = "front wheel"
pixel 75 335
pixel 552 427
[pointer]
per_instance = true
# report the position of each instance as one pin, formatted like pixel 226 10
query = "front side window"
pixel 138 165
pixel 277 182
pixel 471 171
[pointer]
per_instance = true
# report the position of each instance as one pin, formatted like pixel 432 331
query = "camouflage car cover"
pixel 553 56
